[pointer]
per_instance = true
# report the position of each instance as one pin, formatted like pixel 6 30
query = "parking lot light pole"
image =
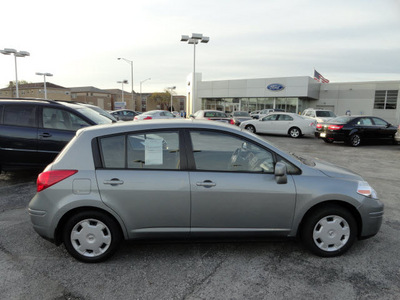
pixel 8 51
pixel 171 88
pixel 122 88
pixel 141 92
pixel 44 79
pixel 194 39
pixel 131 63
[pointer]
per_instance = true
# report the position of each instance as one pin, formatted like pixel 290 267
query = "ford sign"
pixel 275 87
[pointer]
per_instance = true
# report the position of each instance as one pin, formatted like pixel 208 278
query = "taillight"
pixel 135 118
pixel 49 178
pixel 148 118
pixel 232 121
pixel 335 127
pixel 319 126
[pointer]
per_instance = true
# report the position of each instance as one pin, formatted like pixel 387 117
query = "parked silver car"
pixel 188 178
pixel 291 124
pixel 154 114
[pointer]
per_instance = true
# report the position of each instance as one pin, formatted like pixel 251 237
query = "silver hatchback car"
pixel 188 178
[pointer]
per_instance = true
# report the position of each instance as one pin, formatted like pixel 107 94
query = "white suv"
pixel 321 115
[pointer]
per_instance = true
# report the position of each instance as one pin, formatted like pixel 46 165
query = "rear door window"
pixel 20 115
pixel 152 150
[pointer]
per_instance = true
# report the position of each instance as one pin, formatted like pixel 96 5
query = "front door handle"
pixel 206 183
pixel 114 182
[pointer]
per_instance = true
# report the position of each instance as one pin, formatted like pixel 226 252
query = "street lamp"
pixel 194 39
pixel 44 79
pixel 171 88
pixel 122 82
pixel 131 63
pixel 8 51
pixel 141 92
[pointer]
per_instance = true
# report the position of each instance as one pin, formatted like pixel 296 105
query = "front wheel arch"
pixel 345 205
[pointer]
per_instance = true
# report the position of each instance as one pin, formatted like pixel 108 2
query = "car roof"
pixel 158 124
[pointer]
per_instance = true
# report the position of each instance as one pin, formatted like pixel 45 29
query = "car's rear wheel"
pixel 295 132
pixel 251 128
pixel 91 236
pixel 329 231
pixel 355 140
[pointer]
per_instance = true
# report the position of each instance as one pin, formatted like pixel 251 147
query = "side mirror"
pixel 280 173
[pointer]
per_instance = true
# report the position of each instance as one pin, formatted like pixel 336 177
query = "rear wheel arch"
pixel 58 234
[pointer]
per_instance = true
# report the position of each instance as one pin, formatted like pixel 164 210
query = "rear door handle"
pixel 114 182
pixel 45 135
pixel 206 183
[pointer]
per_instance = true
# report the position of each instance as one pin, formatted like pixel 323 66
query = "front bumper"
pixel 372 216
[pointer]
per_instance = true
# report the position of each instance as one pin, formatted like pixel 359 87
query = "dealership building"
pixel 294 94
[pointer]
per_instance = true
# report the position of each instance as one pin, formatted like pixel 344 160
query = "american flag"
pixel 318 77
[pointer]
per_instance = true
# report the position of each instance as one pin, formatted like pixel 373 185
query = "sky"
pixel 79 41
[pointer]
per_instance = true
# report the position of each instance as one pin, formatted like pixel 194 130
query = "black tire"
pixel 328 141
pixel 100 241
pixel 251 128
pixel 355 140
pixel 295 132
pixel 329 231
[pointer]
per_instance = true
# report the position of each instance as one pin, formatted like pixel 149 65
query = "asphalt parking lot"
pixel 32 268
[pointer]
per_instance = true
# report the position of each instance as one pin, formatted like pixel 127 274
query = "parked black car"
pixel 34 131
pixel 355 130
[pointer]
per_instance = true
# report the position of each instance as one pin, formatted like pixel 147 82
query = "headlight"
pixel 366 190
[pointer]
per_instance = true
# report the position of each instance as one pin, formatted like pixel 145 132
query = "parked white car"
pixel 320 115
pixel 282 123
pixel 154 114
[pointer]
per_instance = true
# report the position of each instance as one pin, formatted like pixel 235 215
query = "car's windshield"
pixel 325 114
pixel 103 113
pixel 94 116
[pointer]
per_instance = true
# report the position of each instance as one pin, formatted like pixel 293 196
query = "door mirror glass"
pixel 280 173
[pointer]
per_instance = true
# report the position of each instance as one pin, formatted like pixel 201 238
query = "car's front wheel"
pixel 251 128
pixel 91 236
pixel 329 231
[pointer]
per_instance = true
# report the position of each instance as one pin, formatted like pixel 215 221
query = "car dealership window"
pixel 216 151
pixel 386 99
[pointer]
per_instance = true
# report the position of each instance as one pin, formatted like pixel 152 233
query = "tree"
pixel 20 82
pixel 161 99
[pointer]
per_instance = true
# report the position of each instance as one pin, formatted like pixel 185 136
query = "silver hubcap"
pixel 90 237
pixel 250 128
pixel 331 233
pixel 355 140
pixel 294 133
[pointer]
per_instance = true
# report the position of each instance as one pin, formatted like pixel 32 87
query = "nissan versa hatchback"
pixel 191 179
